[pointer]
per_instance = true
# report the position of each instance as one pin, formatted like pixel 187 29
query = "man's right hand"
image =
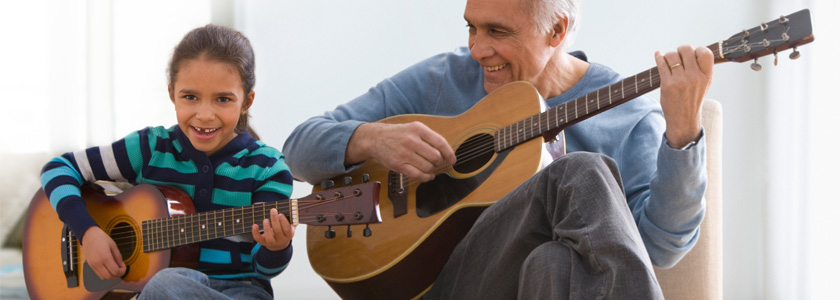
pixel 102 254
pixel 412 149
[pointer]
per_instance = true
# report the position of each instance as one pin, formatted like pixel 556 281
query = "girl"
pixel 211 155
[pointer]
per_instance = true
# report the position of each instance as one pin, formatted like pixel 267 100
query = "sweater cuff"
pixel 273 259
pixel 74 214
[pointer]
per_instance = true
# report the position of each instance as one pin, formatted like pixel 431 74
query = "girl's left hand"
pixel 277 232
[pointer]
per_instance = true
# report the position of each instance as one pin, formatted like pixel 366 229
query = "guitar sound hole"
pixel 474 153
pixel 123 235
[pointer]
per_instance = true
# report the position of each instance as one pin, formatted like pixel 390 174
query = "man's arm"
pixel 670 217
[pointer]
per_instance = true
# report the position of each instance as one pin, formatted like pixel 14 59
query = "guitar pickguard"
pixel 444 191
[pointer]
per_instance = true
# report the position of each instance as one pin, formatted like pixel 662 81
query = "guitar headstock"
pixel 348 205
pixel 772 37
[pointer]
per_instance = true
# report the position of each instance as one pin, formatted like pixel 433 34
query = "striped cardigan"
pixel 243 172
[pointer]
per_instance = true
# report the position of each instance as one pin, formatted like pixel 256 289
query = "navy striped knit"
pixel 243 172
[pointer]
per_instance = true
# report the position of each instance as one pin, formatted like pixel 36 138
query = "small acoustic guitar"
pixel 156 227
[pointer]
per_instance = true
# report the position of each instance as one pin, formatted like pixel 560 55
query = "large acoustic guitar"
pixel 498 144
pixel 156 227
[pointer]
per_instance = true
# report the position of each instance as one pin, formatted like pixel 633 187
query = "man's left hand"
pixel 685 78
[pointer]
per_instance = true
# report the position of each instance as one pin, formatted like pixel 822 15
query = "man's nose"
pixel 481 47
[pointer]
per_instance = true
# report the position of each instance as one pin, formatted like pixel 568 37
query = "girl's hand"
pixel 277 232
pixel 102 254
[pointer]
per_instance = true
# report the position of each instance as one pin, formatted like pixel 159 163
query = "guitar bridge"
pixel 69 256
pixel 397 193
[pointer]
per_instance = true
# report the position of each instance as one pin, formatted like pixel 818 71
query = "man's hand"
pixel 102 254
pixel 277 232
pixel 411 149
pixel 685 78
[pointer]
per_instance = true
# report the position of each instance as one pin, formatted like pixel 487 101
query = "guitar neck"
pixel 180 230
pixel 771 37
pixel 555 119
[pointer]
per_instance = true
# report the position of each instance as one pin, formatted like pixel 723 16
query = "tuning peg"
pixel 755 66
pixel 365 178
pixel 367 231
pixel 349 231
pixel 348 180
pixel 794 54
pixel 775 59
pixel 783 19
pixel 330 233
pixel 327 184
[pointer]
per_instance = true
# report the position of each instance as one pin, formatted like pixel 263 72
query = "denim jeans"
pixel 566 233
pixel 182 283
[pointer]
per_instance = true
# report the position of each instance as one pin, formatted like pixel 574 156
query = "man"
pixel 567 231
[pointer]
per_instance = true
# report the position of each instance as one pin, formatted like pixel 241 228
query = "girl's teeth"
pixel 207 130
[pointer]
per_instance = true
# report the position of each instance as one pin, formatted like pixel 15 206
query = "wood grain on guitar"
pixel 498 144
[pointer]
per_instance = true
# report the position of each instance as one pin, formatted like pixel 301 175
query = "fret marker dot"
pixel 182 230
pixel 220 223
pixel 237 220
pixel 202 226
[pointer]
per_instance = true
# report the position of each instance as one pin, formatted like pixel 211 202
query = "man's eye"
pixel 189 97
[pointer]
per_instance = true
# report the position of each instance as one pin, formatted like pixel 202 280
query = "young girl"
pixel 211 155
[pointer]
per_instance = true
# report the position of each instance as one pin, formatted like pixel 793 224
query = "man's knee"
pixel 582 159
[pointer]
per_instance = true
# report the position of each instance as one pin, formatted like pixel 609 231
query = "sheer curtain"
pixel 801 259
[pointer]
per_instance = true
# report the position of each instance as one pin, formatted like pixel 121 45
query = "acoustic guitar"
pixel 156 227
pixel 498 144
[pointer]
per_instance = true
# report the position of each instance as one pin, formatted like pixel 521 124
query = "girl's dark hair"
pixel 218 43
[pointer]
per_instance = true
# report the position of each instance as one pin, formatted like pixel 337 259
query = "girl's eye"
pixel 224 99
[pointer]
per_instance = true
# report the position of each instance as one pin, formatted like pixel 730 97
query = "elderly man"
pixel 589 225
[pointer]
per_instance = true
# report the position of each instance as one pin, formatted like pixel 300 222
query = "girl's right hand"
pixel 102 254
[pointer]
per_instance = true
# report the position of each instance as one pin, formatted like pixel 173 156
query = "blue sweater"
pixel 664 186
pixel 243 172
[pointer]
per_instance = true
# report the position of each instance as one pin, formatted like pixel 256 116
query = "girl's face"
pixel 209 99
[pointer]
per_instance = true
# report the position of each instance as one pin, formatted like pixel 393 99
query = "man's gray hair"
pixel 548 12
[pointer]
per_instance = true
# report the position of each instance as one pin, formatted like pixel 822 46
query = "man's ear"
pixel 558 31
pixel 172 93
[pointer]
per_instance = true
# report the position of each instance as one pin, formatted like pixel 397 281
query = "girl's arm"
pixel 272 249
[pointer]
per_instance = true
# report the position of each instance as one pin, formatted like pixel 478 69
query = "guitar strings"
pixel 127 242
pixel 485 144
pixel 190 221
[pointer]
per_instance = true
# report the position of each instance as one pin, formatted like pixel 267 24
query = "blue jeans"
pixel 566 233
pixel 182 283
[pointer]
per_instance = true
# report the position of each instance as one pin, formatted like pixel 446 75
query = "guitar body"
pixel 48 243
pixel 406 252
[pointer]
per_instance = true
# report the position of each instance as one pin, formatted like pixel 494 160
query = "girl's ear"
pixel 249 100
pixel 558 31
pixel 172 93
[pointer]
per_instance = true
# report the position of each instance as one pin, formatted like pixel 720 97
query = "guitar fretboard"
pixel 187 229
pixel 564 115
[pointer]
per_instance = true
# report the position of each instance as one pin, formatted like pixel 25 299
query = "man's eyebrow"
pixel 488 24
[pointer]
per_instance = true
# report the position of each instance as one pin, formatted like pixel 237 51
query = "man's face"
pixel 506 42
